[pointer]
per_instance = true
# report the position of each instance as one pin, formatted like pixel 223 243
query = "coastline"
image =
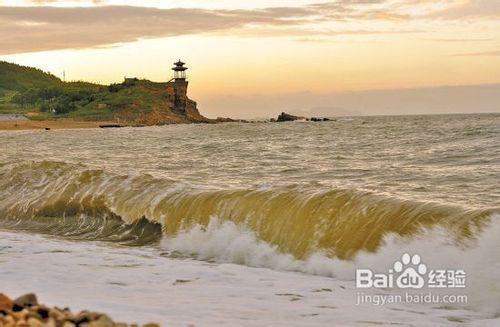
pixel 18 125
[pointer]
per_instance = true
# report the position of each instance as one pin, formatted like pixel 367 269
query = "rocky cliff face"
pixel 179 103
pixel 147 103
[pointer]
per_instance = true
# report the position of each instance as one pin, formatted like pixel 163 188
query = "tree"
pixel 113 88
pixel 64 105
pixel 48 93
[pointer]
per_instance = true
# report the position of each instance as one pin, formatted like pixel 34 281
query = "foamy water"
pixel 252 224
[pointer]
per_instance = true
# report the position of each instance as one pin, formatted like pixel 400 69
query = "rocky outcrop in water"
pixel 225 120
pixel 318 119
pixel 287 117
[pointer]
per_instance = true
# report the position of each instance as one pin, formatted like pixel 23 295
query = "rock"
pixel 16 307
pixel 287 117
pixel 20 315
pixel 9 320
pixel 84 317
pixel 57 314
pixel 317 119
pixel 26 312
pixel 33 322
pixel 43 312
pixel 180 105
pixel 111 126
pixel 22 323
pixel 5 302
pixel 103 321
pixel 26 300
pixel 51 323
pixel 225 120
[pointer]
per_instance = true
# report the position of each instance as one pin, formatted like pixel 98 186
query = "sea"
pixel 258 224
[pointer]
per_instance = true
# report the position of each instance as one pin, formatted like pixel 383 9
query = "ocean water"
pixel 252 224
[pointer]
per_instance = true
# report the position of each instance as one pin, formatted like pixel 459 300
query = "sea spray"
pixel 226 242
pixel 479 257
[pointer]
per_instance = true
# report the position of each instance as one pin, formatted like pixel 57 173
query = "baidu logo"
pixel 409 272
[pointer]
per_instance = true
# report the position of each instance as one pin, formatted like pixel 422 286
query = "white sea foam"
pixel 226 242
pixel 137 285
pixel 109 276
pixel 480 259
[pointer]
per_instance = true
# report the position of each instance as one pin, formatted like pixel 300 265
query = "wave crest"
pixel 226 242
pixel 296 220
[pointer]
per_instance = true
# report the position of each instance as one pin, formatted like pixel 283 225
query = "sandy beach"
pixel 52 124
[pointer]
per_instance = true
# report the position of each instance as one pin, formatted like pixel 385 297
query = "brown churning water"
pixel 334 187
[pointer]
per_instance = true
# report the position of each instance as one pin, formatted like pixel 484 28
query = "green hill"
pixel 40 96
pixel 30 90
pixel 20 78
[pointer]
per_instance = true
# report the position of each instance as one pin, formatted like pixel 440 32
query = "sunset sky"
pixel 250 54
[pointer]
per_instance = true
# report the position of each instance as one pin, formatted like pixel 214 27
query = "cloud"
pixel 27 29
pixel 470 9
pixel 40 28
pixel 460 40
pixel 477 54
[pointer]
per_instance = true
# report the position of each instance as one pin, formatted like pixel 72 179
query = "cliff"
pixel 179 103
pixel 142 102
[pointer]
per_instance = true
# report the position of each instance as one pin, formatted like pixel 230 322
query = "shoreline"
pixel 19 125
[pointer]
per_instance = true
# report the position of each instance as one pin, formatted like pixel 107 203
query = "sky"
pixel 258 58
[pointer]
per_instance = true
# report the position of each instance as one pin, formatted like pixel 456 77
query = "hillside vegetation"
pixel 42 96
pixel 20 78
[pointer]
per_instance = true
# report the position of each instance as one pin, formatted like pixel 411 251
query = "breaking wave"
pixel 83 227
pixel 226 242
pixel 303 224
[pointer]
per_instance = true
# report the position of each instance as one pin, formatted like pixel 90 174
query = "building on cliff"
pixel 176 90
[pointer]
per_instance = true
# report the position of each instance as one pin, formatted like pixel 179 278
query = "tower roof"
pixel 179 66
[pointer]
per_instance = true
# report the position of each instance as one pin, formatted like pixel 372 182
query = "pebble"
pixel 5 302
pixel 25 311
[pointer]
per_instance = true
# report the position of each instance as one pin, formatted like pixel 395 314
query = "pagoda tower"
pixel 177 87
pixel 179 71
